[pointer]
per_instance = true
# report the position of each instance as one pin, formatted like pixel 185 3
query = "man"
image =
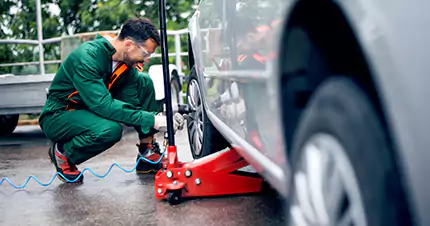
pixel 96 88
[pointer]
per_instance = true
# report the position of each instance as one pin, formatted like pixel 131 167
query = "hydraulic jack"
pixel 212 175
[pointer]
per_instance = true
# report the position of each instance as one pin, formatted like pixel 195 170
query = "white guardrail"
pixel 40 42
pixel 177 54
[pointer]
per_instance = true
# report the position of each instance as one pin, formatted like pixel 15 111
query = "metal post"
pixel 178 53
pixel 179 64
pixel 40 36
pixel 165 62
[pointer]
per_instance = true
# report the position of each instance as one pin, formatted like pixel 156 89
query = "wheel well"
pixel 190 53
pixel 329 31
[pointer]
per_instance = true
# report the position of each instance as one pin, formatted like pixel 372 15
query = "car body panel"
pixel 392 36
pixel 235 93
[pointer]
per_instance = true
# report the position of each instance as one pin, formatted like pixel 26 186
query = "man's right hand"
pixel 161 122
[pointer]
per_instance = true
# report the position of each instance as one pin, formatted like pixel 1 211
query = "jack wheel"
pixel 174 197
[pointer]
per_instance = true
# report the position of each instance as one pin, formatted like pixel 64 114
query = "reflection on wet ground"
pixel 119 199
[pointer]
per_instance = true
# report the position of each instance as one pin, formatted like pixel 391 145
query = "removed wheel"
pixel 343 169
pixel 175 88
pixel 174 91
pixel 204 139
pixel 8 124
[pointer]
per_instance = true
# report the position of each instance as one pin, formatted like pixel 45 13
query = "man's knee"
pixel 110 133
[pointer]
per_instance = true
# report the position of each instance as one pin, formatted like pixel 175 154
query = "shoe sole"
pixel 52 159
pixel 147 171
pixel 151 171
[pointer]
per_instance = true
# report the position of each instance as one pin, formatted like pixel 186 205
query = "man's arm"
pixel 96 96
pixel 138 89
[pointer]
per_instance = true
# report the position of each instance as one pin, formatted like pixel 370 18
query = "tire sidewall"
pixel 204 152
pixel 8 124
pixel 348 116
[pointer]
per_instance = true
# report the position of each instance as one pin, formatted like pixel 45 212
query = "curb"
pixel 28 122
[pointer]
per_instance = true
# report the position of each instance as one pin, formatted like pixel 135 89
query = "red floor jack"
pixel 212 175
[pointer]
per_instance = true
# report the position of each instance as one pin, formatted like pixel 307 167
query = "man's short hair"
pixel 139 29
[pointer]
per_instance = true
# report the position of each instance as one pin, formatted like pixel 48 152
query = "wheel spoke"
pixel 192 128
pixel 303 197
pixel 335 192
pixel 199 130
pixel 196 94
pixel 347 218
pixel 190 125
pixel 297 217
pixel 192 116
pixel 315 169
pixel 191 101
pixel 193 92
pixel 198 145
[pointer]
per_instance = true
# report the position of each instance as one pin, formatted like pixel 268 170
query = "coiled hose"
pixel 82 172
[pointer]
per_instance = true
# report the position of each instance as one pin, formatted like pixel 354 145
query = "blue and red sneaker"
pixel 149 151
pixel 64 166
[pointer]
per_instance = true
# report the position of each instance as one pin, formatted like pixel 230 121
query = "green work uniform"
pixel 93 125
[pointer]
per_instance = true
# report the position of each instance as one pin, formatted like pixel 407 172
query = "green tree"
pixel 18 21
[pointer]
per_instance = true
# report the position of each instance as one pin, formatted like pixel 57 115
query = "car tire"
pixel 8 124
pixel 212 141
pixel 342 111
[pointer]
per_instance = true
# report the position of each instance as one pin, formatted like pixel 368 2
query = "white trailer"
pixel 26 94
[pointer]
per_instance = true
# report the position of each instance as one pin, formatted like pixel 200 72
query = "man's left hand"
pixel 178 121
pixel 161 122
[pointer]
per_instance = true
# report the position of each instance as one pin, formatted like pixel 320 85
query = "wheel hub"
pixel 325 188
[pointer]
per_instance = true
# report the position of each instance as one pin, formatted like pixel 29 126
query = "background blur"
pixel 68 17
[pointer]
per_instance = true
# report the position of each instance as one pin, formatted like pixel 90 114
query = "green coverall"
pixel 93 126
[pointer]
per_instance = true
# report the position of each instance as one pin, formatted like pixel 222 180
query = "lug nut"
pixel 188 173
pixel 169 174
pixel 197 181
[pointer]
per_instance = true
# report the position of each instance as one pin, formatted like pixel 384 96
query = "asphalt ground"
pixel 119 199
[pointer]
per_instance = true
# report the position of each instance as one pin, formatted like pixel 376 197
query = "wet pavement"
pixel 119 199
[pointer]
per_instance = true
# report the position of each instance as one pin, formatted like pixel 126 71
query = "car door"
pixel 237 55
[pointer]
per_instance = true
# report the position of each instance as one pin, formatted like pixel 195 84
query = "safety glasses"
pixel 145 54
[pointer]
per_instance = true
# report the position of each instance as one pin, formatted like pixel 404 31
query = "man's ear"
pixel 128 43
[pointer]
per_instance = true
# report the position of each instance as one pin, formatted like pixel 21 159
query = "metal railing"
pixel 40 42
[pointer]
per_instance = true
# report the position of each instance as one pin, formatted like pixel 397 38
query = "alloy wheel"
pixel 325 188
pixel 195 125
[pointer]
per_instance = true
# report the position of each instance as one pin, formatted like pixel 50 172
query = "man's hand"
pixel 161 122
pixel 179 120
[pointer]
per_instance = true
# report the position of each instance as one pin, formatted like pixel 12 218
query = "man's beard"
pixel 128 62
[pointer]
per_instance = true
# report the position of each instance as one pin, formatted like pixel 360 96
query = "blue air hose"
pixel 82 172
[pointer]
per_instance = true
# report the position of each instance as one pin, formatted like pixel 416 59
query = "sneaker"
pixel 63 166
pixel 151 152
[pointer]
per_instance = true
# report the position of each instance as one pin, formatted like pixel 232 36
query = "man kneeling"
pixel 96 88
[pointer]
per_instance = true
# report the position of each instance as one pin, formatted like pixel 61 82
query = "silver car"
pixel 326 99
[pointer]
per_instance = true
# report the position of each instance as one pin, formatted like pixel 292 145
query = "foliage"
pixel 68 17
